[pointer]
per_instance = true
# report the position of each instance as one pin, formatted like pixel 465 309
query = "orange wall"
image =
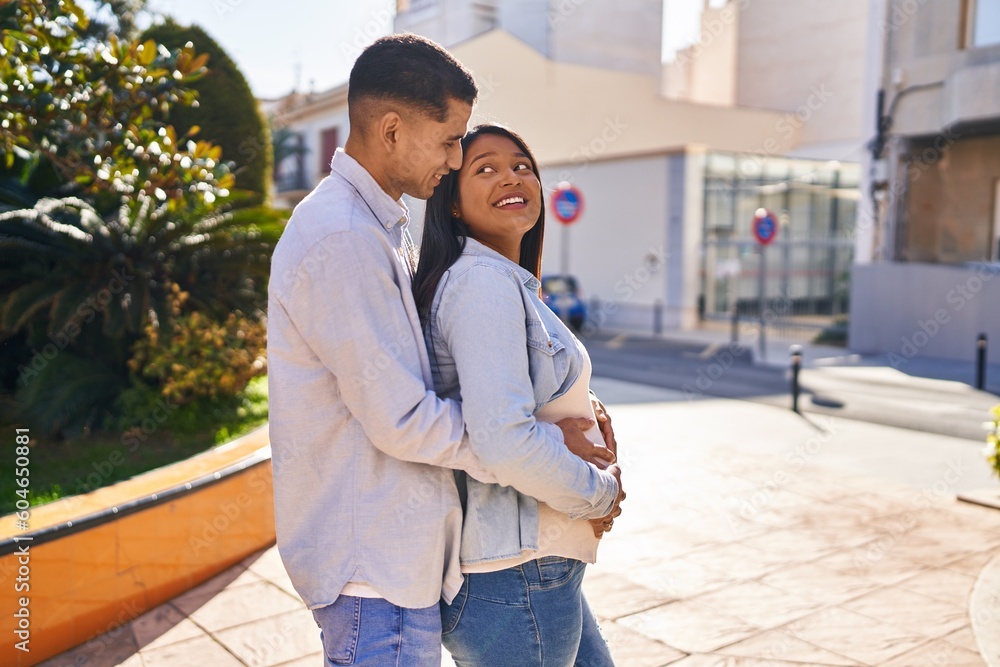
pixel 86 584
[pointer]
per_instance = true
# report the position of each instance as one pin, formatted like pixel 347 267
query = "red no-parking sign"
pixel 765 226
pixel 567 203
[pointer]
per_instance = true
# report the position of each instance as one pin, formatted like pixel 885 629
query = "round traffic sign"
pixel 567 203
pixel 765 226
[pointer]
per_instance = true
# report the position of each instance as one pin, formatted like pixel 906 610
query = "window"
pixel 328 146
pixel 983 23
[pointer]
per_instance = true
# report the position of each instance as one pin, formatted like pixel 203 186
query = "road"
pixel 860 391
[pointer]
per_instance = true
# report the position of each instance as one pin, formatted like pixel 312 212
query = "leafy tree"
pixel 84 108
pixel 116 17
pixel 227 113
pixel 105 208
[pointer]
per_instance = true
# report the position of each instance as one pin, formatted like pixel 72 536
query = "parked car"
pixel 562 295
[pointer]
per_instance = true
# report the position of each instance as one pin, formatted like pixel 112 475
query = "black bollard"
pixel 796 352
pixel 981 361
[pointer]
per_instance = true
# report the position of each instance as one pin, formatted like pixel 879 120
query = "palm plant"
pixel 102 208
pixel 285 143
pixel 89 285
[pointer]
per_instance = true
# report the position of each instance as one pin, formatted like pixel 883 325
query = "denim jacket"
pixel 499 350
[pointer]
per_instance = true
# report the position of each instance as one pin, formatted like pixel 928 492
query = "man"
pixel 367 510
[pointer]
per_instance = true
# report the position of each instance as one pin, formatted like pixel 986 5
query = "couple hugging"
pixel 442 472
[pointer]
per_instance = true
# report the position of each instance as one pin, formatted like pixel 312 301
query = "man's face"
pixel 428 149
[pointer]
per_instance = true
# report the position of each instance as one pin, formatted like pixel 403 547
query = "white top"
pixel 558 535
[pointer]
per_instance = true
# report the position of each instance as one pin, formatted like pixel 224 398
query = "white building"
pixel 928 242
pixel 671 182
pixel 623 35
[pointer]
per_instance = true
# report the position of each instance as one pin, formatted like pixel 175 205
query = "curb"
pixel 984 611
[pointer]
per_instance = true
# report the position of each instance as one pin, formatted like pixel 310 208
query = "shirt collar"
pixel 388 211
pixel 474 247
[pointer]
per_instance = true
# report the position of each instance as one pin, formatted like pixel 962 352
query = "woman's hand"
pixel 573 429
pixel 605 523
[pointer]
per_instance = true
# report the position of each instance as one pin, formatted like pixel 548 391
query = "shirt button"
pixel 550 343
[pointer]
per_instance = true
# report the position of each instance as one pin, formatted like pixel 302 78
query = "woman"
pixel 476 287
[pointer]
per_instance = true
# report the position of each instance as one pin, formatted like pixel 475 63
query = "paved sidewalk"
pixel 751 537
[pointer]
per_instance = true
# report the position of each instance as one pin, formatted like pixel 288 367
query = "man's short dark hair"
pixel 413 70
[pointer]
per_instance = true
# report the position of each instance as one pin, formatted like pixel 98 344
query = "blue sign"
pixel 765 226
pixel 567 204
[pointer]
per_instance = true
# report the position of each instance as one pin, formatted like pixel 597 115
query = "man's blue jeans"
pixel 532 615
pixel 372 632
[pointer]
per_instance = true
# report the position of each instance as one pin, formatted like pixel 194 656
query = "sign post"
pixel 567 205
pixel 765 229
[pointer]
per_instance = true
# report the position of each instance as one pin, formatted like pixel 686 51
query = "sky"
pixel 272 40
pixel 277 43
pixel 680 24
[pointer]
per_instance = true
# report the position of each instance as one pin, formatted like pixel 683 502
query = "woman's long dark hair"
pixel 444 235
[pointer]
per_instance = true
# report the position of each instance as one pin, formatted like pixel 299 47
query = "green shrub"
pixel 993 442
pixel 227 112
pixel 192 358
pixel 66 395
pixel 77 284
pixel 141 410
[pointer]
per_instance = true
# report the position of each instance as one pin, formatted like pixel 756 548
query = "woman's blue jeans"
pixel 531 615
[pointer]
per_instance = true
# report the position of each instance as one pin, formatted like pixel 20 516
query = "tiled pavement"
pixel 749 538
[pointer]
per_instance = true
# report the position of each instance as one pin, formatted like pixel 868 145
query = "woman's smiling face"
pixel 499 194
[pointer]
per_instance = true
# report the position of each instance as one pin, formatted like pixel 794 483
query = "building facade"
pixel 928 242
pixel 623 35
pixel 672 181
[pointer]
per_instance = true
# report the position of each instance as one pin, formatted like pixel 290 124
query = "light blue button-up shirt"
pixel 361 445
